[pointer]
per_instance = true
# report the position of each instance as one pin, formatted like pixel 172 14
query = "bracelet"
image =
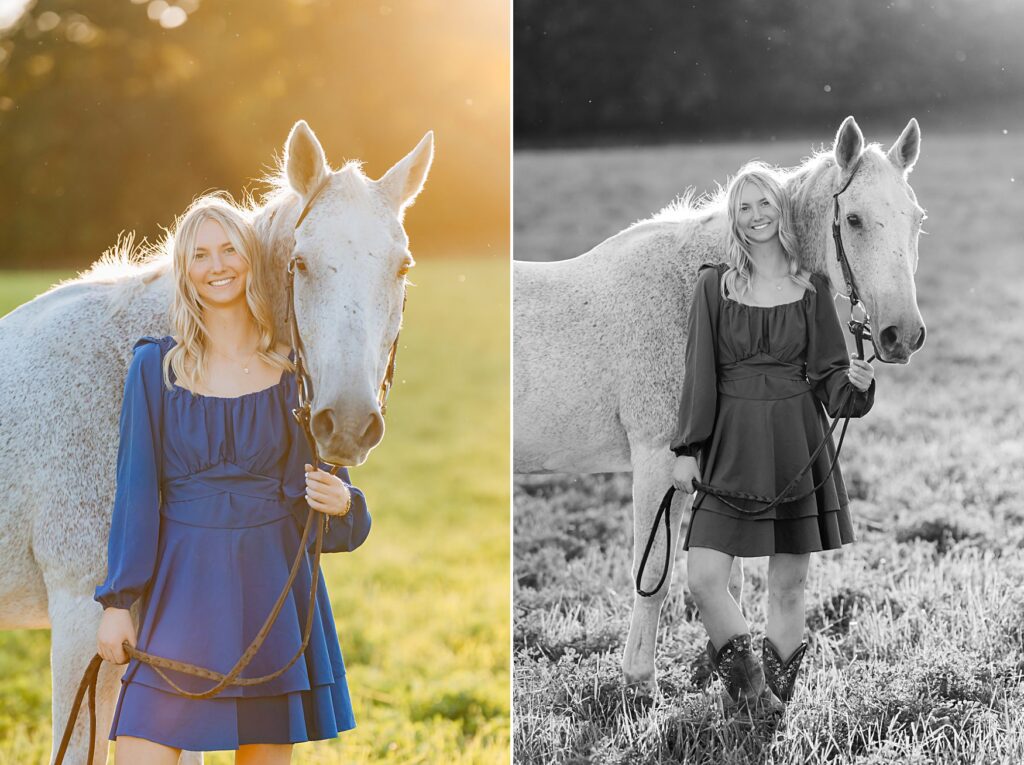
pixel 348 505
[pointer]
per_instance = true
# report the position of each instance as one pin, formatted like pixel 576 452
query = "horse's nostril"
pixel 920 340
pixel 373 432
pixel 323 425
pixel 889 337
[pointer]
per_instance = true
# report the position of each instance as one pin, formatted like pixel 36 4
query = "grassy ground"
pixel 422 608
pixel 916 631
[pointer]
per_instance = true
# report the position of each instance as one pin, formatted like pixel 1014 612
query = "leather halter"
pixel 304 383
pixel 859 328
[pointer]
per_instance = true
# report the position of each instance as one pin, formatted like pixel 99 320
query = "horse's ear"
pixel 304 160
pixel 907 149
pixel 849 144
pixel 405 180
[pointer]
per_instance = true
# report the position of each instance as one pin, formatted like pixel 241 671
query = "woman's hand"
pixel 684 473
pixel 861 373
pixel 327 493
pixel 116 627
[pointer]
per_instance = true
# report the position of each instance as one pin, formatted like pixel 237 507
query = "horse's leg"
pixel 74 619
pixel 652 476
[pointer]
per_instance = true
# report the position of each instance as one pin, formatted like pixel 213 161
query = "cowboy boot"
pixel 781 675
pixel 746 694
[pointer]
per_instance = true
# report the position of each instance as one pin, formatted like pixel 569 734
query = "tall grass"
pixel 422 608
pixel 917 630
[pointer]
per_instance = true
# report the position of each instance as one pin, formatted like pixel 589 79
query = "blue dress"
pixel 758 381
pixel 207 518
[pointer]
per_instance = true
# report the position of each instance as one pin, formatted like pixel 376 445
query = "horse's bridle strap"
pixel 837 236
pixel 309 202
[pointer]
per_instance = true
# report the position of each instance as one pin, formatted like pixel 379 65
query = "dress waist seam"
pixel 210 526
pixel 762 398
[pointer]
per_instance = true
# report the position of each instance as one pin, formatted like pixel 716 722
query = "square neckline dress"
pixel 758 382
pixel 208 515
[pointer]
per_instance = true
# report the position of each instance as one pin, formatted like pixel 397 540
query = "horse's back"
pixel 589 350
pixel 66 356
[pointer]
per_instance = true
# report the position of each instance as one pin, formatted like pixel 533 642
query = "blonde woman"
pixel 213 481
pixel 765 351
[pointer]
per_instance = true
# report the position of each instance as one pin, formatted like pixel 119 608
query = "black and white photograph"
pixel 766 369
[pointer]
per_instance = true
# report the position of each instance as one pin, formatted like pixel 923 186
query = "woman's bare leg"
pixel 707 573
pixel 787 579
pixel 129 750
pixel 264 754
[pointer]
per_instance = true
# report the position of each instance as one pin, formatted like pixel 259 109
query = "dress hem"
pixel 240 718
pixel 185 747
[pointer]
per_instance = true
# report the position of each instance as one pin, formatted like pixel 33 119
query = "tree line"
pixel 663 67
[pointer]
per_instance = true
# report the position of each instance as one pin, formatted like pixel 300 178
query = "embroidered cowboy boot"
pixel 746 694
pixel 781 675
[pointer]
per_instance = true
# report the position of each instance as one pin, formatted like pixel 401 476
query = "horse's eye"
pixel 853 220
pixel 405 267
pixel 300 264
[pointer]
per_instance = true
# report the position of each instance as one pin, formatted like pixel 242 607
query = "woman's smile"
pixel 217 270
pixel 756 215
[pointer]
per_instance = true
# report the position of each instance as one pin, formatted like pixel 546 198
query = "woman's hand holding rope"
pixel 861 373
pixel 116 627
pixel 327 493
pixel 684 473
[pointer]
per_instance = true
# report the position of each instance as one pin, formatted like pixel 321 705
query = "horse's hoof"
pixel 642 687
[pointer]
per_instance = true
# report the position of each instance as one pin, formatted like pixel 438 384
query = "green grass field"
pixel 917 630
pixel 422 608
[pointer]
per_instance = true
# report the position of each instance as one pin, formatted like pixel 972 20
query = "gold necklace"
pixel 245 367
pixel 778 281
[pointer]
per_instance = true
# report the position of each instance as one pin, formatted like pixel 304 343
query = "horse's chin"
pixel 898 356
pixel 353 459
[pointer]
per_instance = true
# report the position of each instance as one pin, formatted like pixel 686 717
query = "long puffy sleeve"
pixel 344 534
pixel 135 523
pixel 699 403
pixel 828 361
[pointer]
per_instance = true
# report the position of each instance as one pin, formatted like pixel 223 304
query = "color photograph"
pixel 255 409
pixel 769 480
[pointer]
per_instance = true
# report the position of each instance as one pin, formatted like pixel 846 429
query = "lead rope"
pixel 861 331
pixel 88 683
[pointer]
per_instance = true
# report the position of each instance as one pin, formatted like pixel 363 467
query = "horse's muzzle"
pixel 896 346
pixel 348 436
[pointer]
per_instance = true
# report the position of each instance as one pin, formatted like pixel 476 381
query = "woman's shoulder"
pixel 151 346
pixel 709 274
pixel 819 282
pixel 148 351
pixel 161 343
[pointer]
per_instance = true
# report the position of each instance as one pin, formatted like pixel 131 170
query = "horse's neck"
pixel 812 204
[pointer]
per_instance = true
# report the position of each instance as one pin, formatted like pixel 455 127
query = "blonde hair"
pixel 188 357
pixel 737 246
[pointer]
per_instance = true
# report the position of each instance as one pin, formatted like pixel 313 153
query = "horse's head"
pixel 880 221
pixel 352 256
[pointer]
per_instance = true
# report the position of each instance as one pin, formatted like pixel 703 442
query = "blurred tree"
pixel 664 68
pixel 114 115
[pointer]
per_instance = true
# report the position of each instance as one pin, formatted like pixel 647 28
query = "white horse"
pixel 66 354
pixel 599 339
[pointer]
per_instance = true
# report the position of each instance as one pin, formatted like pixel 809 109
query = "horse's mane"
pixel 690 206
pixel 130 265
